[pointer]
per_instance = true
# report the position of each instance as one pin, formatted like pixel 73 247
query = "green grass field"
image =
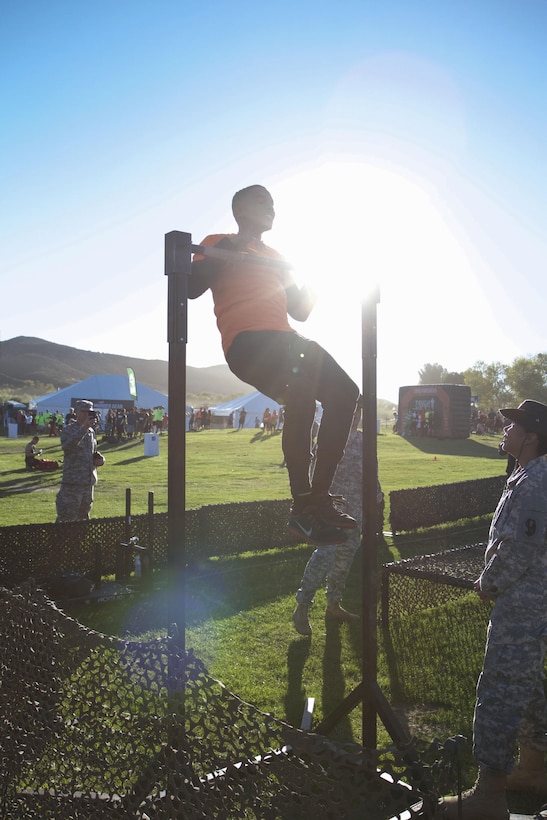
pixel 239 607
pixel 225 466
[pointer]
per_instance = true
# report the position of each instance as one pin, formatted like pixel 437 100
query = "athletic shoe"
pixel 300 619
pixel 306 526
pixel 328 511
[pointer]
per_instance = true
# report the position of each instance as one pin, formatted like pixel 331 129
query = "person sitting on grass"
pixel 31 451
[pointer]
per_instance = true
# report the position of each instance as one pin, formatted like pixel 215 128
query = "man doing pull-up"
pixel 252 302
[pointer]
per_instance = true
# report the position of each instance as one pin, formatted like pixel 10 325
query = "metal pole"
pixel 367 692
pixel 178 267
pixel 369 545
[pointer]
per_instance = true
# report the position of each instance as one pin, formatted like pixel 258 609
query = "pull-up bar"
pixel 178 267
pixel 240 256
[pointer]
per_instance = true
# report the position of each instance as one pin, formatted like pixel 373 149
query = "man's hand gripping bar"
pixel 240 256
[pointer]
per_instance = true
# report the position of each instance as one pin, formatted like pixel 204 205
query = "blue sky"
pixel 403 142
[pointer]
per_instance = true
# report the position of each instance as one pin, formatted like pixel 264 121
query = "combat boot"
pixel 485 801
pixel 529 773
pixel 300 619
pixel 338 613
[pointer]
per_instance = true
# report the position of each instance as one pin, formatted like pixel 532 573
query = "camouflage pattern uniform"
pixel 510 701
pixel 334 563
pixel 75 498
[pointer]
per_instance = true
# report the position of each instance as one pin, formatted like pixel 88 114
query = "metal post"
pixel 97 568
pixel 178 267
pixel 151 534
pixel 367 692
pixel 369 562
pixel 127 565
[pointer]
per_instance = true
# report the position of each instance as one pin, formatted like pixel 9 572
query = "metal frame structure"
pixel 178 267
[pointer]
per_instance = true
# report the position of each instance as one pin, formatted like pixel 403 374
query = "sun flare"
pixel 348 227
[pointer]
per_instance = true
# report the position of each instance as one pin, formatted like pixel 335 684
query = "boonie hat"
pixel 531 414
pixel 83 405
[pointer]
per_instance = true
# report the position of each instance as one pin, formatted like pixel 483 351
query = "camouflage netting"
pixel 429 580
pixel 434 630
pixel 411 509
pixel 434 633
pixel 93 547
pixel 94 726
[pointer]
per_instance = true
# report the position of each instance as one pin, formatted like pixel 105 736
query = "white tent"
pixel 105 392
pixel 254 403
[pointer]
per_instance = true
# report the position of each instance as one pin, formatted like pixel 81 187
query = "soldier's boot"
pixel 529 773
pixel 336 611
pixel 300 619
pixel 485 801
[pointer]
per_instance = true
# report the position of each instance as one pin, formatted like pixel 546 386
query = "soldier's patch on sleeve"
pixel 531 526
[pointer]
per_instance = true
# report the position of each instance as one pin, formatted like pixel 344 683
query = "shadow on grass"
pixel 333 688
pixel 28 482
pixel 224 586
pixel 262 436
pixel 215 589
pixel 470 448
pixel 297 655
pixel 133 460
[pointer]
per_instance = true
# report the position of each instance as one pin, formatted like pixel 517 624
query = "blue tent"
pixel 105 392
pixel 254 403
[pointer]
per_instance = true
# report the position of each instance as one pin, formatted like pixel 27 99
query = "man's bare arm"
pixel 300 302
pixel 204 272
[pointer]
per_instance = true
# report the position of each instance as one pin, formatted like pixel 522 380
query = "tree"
pixel 527 378
pixel 489 383
pixel 437 374
pixel 432 374
pixel 496 384
pixel 454 378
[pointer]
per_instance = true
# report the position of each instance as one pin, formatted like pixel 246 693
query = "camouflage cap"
pixel 83 405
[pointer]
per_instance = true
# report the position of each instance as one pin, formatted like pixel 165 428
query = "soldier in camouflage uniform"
pixel 510 703
pixel 81 459
pixel 334 563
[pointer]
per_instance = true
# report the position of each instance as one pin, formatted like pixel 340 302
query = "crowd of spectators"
pixel 123 425
pixel 117 424
pixel 200 419
pixel 483 423
pixel 272 420
pixel 417 423
pixel 29 422
pixel 422 422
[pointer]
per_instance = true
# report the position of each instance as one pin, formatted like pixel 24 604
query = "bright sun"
pixel 348 227
pixel 356 221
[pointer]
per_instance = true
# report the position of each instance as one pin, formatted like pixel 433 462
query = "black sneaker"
pixel 328 510
pixel 307 526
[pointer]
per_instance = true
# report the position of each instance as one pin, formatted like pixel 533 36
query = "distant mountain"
pixel 25 360
pixel 31 367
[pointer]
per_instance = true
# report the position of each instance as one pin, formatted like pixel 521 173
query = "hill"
pixel 31 367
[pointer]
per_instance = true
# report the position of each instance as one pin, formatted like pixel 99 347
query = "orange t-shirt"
pixel 247 296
